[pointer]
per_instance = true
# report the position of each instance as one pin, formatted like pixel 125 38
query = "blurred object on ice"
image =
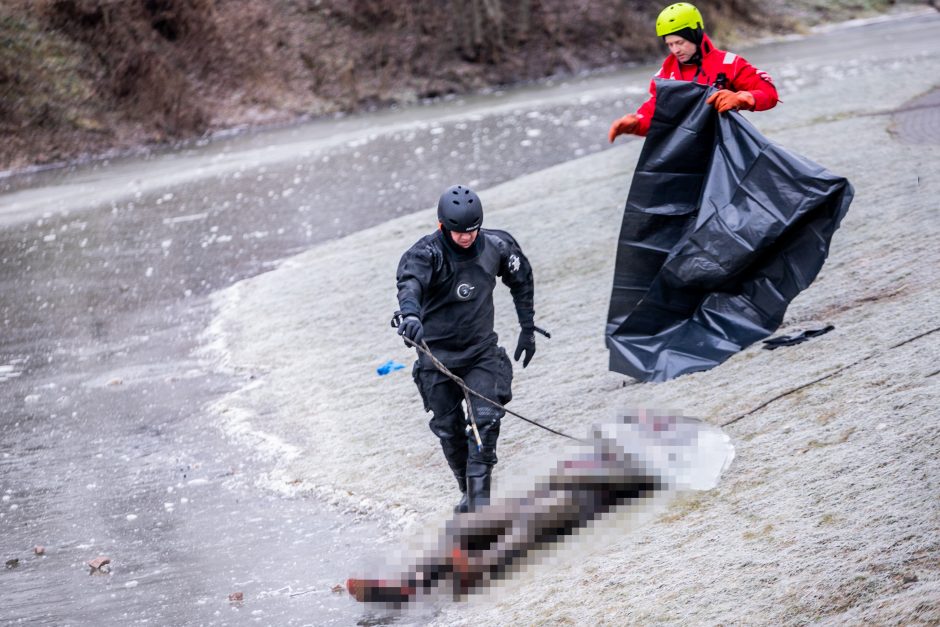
pixel 625 462
pixel 684 453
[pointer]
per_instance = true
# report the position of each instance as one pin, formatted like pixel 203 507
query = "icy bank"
pixel 831 510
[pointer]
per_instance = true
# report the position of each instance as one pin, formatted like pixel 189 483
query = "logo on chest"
pixel 465 291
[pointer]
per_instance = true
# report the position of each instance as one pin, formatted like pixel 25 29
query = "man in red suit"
pixel 694 58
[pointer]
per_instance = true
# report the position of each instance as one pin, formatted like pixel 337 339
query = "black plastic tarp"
pixel 722 229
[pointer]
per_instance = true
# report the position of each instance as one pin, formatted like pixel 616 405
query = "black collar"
pixel 462 254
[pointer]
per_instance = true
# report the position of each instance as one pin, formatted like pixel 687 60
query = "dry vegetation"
pixel 82 77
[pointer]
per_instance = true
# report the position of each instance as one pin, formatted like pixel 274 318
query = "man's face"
pixel 464 240
pixel 682 49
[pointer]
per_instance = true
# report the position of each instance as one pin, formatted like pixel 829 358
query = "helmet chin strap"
pixel 697 60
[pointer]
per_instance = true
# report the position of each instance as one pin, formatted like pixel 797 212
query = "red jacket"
pixel 739 76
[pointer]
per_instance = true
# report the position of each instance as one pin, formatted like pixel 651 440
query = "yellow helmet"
pixel 677 16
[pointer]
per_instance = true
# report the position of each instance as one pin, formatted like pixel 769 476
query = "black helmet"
pixel 460 209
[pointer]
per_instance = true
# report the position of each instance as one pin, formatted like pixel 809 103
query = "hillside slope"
pixel 82 77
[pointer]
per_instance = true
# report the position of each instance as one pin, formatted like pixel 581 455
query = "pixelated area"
pixel 622 464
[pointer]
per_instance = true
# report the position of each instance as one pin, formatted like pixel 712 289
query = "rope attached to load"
pixel 468 392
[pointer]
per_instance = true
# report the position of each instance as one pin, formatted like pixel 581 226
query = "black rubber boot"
pixel 464 505
pixel 478 491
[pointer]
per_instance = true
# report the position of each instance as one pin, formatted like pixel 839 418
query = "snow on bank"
pixel 831 511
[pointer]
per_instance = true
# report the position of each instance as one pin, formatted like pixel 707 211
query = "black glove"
pixel 411 328
pixel 526 344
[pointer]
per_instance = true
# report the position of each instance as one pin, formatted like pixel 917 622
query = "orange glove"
pixel 727 100
pixel 626 124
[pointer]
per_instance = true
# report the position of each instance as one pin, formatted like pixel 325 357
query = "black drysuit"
pixel 450 289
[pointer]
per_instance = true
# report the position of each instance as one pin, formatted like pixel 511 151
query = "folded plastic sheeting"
pixel 722 229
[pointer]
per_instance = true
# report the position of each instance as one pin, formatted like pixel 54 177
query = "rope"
pixel 468 391
pixel 830 375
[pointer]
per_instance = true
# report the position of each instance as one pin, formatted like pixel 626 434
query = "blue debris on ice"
pixel 389 366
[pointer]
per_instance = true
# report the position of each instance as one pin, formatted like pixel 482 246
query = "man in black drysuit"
pixel 445 296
